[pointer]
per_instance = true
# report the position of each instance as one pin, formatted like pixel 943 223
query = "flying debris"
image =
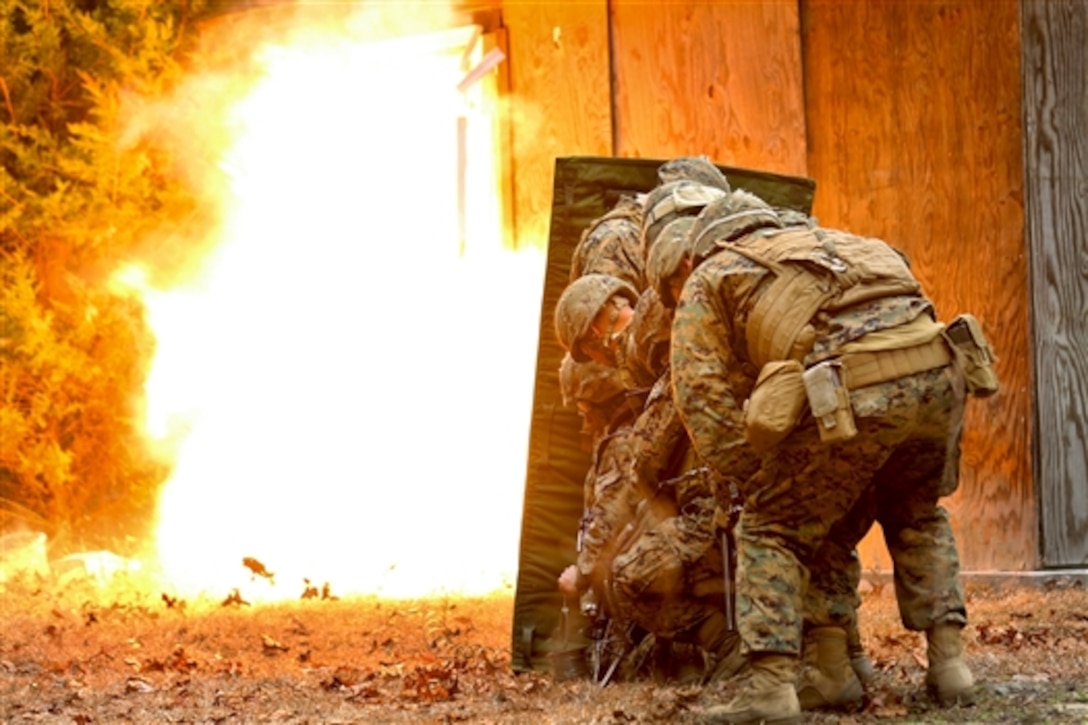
pixel 311 592
pixel 258 569
pixel 234 599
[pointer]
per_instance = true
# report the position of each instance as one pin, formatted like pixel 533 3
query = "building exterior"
pixel 952 129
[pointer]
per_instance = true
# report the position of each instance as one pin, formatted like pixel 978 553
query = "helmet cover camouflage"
pixel 670 250
pixel 579 304
pixel 672 200
pixel 728 218
pixel 695 168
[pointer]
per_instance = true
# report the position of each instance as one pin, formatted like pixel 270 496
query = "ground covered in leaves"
pixel 86 655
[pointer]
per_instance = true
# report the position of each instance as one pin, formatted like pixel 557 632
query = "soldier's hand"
pixel 568 580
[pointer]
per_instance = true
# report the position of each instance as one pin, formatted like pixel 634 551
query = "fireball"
pixel 343 376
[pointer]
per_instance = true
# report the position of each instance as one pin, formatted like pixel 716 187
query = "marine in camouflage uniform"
pixel 651 549
pixel 766 295
pixel 674 574
pixel 608 503
pixel 667 268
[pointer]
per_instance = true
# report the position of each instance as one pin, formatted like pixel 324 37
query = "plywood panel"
pixel 720 78
pixel 559 99
pixel 1056 156
pixel 914 135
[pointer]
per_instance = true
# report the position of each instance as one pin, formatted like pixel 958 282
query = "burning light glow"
pixel 346 386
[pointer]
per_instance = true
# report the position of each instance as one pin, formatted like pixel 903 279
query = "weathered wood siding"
pixel 910 116
pixel 914 127
pixel 721 79
pixel 1055 73
pixel 560 99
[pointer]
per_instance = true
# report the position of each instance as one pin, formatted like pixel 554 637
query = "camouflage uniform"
pixel 905 453
pixel 644 354
pixel 611 502
pixel 611 245
pixel 650 552
pixel 653 549
pixel 669 264
pixel 672 559
pixel 835 602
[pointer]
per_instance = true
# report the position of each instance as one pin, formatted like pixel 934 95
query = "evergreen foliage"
pixel 76 202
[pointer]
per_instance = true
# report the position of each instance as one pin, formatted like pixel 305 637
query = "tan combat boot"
pixel 721 648
pixel 768 696
pixel 948 678
pixel 827 678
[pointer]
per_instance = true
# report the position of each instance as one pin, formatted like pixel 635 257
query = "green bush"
pixel 75 205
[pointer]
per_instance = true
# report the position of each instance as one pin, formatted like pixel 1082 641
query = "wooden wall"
pixel 1055 73
pixel 907 114
pixel 914 130
pixel 721 79
pixel 652 80
pixel 560 102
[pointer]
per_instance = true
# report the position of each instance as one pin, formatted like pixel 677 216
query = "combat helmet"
pixel 729 218
pixel 695 168
pixel 579 304
pixel 666 257
pixel 671 200
pixel 597 391
pixel 588 382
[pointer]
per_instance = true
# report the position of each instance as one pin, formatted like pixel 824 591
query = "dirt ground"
pixel 85 655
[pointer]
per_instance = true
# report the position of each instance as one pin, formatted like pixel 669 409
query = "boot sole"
pixel 963 691
pixel 849 700
pixel 965 698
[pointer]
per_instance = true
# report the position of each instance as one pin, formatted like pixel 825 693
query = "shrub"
pixel 75 205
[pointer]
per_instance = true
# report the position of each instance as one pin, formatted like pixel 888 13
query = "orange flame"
pixel 346 385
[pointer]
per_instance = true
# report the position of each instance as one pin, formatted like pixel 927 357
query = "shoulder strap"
pixel 814 269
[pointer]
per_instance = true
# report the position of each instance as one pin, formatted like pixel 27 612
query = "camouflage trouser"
pixel 665 580
pixel 834 600
pixel 906 456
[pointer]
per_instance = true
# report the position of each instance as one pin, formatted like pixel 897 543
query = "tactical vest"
pixel 815 270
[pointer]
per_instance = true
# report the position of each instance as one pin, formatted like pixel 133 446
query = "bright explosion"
pixel 346 385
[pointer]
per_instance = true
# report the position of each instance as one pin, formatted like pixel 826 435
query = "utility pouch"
pixel 975 354
pixel 775 405
pixel 829 400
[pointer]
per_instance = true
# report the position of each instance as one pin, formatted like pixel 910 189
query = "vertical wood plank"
pixel 502 135
pixel 915 136
pixel 715 78
pixel 1055 81
pixel 559 105
pixel 559 99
